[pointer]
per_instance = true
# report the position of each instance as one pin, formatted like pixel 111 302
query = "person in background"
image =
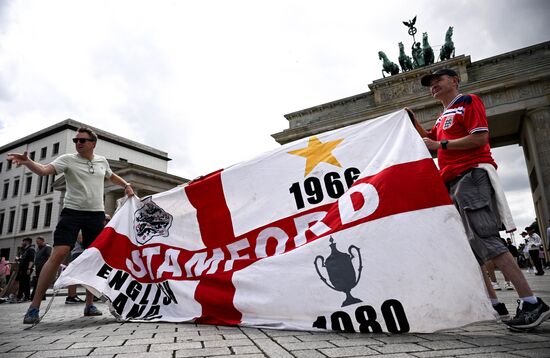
pixel 533 244
pixel 26 263
pixel 43 252
pixel 525 253
pixel 542 256
pixel 512 248
pixel 8 272
pixel 4 267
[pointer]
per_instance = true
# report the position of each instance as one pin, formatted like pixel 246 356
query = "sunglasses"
pixel 90 167
pixel 82 140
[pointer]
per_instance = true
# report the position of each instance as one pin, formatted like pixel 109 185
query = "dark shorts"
pixel 72 221
pixel 472 194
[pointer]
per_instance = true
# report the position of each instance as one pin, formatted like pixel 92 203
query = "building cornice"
pixel 404 90
pixel 71 124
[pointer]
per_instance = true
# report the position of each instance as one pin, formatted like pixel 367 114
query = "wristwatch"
pixel 444 143
pixel 127 185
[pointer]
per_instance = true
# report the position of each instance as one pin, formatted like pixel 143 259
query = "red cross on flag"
pixel 349 230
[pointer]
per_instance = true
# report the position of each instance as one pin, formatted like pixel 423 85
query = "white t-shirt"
pixel 84 188
pixel 534 241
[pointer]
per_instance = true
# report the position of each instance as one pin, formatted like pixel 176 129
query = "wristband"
pixel 444 143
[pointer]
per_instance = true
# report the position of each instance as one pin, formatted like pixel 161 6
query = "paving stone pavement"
pixel 64 332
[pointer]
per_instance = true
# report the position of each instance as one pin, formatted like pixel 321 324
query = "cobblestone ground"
pixel 64 332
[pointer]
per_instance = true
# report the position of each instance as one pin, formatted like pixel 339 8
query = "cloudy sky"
pixel 209 81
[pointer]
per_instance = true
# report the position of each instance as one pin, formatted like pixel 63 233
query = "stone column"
pixel 535 138
pixel 110 202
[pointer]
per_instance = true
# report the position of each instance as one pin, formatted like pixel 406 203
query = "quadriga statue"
pixel 427 51
pixel 387 65
pixel 448 49
pixel 404 61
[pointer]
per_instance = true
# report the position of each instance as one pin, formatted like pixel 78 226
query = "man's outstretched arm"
pixel 37 168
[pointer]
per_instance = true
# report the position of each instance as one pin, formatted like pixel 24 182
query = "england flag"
pixel 349 230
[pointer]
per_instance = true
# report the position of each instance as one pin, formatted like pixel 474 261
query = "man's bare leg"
pixel 490 290
pixel 490 266
pixel 89 298
pixel 510 268
pixel 48 273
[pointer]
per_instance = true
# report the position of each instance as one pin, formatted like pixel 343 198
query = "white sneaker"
pixel 508 286
pixel 496 286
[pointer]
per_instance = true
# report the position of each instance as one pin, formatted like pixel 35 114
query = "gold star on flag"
pixel 317 152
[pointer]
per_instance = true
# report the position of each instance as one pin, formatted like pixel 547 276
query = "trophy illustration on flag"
pixel 340 271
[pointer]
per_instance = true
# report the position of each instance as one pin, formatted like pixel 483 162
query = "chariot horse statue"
pixel 404 61
pixel 418 57
pixel 387 65
pixel 427 50
pixel 448 49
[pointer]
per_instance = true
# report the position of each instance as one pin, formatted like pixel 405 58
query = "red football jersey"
pixel 465 115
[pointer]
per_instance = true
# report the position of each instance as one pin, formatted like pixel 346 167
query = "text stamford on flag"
pixel 350 230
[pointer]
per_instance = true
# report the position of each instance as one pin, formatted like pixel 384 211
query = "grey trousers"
pixel 472 195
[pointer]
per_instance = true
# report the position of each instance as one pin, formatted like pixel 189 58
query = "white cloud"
pixel 209 81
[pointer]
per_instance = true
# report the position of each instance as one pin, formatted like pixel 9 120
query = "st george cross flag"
pixel 349 230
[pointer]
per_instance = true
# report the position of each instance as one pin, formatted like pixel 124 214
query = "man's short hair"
pixel 88 131
pixel 28 240
pixel 40 238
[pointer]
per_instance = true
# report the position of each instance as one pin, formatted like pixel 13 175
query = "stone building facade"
pixel 514 86
pixel 30 204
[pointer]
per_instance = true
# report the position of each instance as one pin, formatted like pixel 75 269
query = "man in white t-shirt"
pixel 83 208
pixel 533 243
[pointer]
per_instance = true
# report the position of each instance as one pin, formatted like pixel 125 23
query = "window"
pixel 52 179
pixel 28 184
pixel 2 215
pixel 123 160
pixel 24 214
pixel 43 152
pixel 6 189
pixel 48 217
pixel 8 167
pixel 45 188
pixel 1 164
pixel 15 187
pixel 55 149
pixel 32 155
pixel 11 221
pixel 35 216
pixel 39 187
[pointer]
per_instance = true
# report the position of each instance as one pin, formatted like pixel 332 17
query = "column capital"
pixel 538 113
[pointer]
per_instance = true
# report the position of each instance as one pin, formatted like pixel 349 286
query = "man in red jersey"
pixel 461 137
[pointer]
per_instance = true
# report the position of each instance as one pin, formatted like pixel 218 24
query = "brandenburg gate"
pixel 514 86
